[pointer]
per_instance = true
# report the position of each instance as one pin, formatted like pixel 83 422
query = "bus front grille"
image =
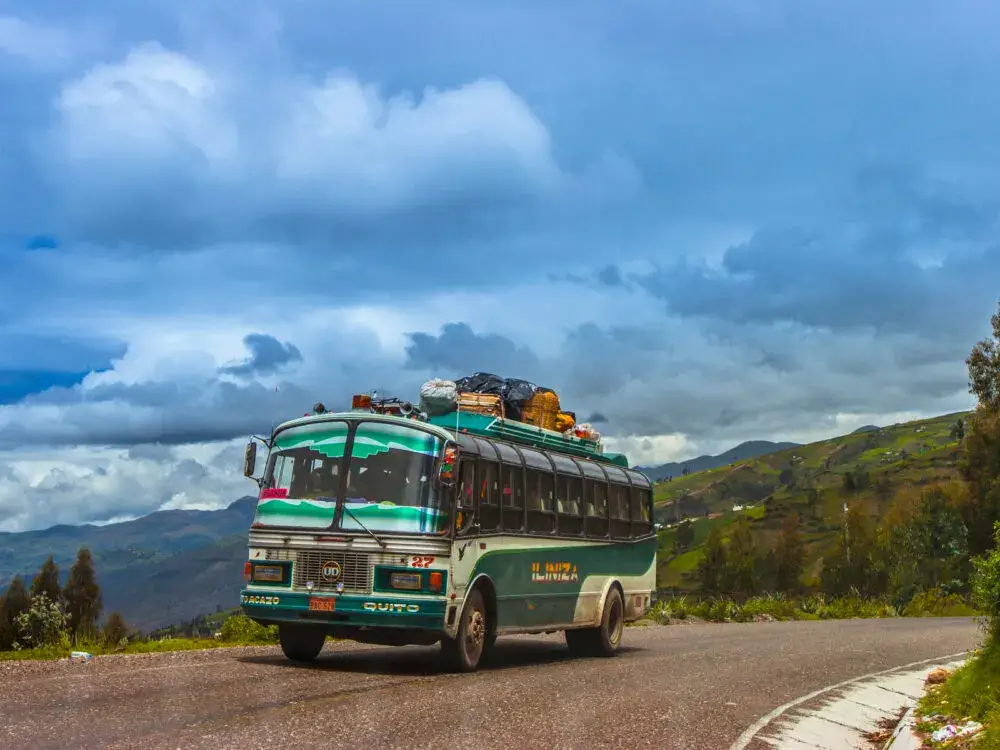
pixel 307 565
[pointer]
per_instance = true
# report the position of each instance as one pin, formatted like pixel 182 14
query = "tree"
pixel 47 581
pixel 883 488
pixel 941 538
pixel 685 537
pixel 849 485
pixel 741 576
pixel 712 567
pixel 846 565
pixel 13 604
pixel 922 543
pixel 82 595
pixel 789 554
pixel 984 369
pixel 958 430
pixel 115 629
pixel 979 463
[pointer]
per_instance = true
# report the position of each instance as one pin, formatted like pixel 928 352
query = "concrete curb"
pixel 837 717
pixel 903 737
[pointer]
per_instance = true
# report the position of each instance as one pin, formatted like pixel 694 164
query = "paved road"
pixel 682 686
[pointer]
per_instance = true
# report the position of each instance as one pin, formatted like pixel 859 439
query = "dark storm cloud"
pixel 267 356
pixel 458 350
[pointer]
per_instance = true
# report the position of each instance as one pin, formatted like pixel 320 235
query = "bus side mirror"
pixel 448 466
pixel 250 460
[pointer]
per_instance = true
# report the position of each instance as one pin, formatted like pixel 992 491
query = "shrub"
pixel 115 631
pixel 773 605
pixel 241 629
pixel 938 603
pixel 44 624
pixel 986 586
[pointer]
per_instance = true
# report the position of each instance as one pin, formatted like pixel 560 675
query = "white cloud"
pixel 145 106
pixel 301 147
pixel 84 485
pixel 38 43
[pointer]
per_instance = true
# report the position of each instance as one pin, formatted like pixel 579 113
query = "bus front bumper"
pixel 350 610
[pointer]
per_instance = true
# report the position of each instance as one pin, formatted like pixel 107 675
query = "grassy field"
pixel 809 480
pixel 234 628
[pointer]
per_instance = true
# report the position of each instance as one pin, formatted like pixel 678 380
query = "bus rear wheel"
pixel 464 652
pixel 301 642
pixel 605 639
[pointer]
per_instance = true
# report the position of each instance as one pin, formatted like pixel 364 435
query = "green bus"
pixel 387 528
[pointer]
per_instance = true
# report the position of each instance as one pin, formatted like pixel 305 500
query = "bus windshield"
pixel 386 479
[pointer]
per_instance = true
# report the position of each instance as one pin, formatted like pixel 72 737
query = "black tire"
pixel 301 643
pixel 605 639
pixel 464 652
pixel 491 639
pixel 609 634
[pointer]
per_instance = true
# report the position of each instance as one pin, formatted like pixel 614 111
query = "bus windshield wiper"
pixel 367 530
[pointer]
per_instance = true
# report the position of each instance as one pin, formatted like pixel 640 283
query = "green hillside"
pixel 814 480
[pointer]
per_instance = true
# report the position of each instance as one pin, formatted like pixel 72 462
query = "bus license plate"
pixel 322 604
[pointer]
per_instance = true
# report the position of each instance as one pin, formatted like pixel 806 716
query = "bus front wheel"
pixel 301 642
pixel 464 652
pixel 605 639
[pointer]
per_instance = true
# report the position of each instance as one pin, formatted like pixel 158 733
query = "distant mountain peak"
pixel 745 450
pixel 244 503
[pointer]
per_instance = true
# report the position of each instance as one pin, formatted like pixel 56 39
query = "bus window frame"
pixel 581 511
pixel 586 475
pixel 550 515
pixel 594 482
pixel 615 523
pixel 520 468
pixel 641 527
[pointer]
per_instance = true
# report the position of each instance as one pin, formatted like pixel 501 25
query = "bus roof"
pixel 482 425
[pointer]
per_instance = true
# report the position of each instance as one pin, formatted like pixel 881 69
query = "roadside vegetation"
pixel 777 606
pixel 46 621
pixel 972 693
pixel 892 515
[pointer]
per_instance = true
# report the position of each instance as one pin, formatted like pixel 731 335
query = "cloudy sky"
pixel 707 222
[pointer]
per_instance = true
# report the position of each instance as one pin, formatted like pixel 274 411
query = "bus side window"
pixel 620 526
pixel 570 505
pixel 547 490
pixel 465 496
pixel 642 518
pixel 467 484
pixel 541 516
pixel 574 496
pixel 512 508
pixel 532 479
pixel 597 508
pixel 489 496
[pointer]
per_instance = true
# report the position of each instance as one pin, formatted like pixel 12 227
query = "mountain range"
pixel 749 449
pixel 155 570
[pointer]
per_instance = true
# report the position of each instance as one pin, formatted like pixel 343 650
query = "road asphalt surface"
pixel 678 686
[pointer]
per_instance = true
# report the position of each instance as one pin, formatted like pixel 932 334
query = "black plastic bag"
pixel 481 382
pixel 518 391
